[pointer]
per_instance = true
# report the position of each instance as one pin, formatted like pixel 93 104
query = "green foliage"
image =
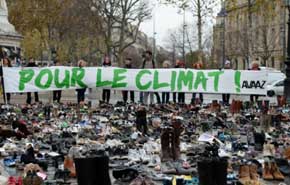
pixel 61 25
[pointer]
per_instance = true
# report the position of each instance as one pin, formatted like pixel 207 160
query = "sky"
pixel 166 18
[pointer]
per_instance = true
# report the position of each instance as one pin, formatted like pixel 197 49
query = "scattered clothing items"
pixel 134 144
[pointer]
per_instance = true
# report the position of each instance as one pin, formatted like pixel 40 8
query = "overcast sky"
pixel 167 17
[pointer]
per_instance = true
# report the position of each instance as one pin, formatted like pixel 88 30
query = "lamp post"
pixel 287 62
pixel 222 14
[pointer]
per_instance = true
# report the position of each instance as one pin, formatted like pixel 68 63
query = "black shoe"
pixel 125 175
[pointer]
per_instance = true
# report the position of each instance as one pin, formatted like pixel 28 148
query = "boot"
pixel 267 175
pixel 244 174
pixel 239 106
pixel 69 164
pixel 176 140
pixel 233 107
pixel 253 172
pixel 276 172
pixel 220 169
pixel 92 171
pixel 165 145
pixel 205 172
pixel 287 153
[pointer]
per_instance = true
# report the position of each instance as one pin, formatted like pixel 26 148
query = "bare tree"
pixel 175 41
pixel 121 23
pixel 201 10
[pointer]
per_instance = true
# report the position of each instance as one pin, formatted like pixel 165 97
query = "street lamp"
pixel 287 62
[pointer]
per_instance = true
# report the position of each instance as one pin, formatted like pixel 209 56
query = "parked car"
pixel 276 88
pixel 274 76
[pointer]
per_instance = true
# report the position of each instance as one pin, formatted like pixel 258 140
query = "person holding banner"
pixel 149 63
pixel 106 92
pixel 181 96
pixel 226 97
pixel 128 65
pixel 6 96
pixel 81 92
pixel 31 63
pixel 193 99
pixel 255 67
pixel 166 95
pixel 56 94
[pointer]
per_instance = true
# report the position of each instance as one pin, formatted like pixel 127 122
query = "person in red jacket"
pixel 255 67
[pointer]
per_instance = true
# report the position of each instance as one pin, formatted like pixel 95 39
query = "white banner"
pixel 157 80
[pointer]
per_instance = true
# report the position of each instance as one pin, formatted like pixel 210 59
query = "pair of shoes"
pixel 15 180
pixel 248 174
pixel 271 172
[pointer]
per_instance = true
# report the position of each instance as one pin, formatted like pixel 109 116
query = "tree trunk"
pixel 199 25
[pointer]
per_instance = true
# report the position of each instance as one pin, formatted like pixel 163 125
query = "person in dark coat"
pixel 32 63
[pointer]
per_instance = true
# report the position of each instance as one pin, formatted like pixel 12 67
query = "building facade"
pixel 251 30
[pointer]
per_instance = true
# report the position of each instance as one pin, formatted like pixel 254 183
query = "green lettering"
pixel 119 77
pixel 77 76
pixel 64 82
pixel 185 79
pixel 99 82
pixel 156 84
pixel 216 75
pixel 25 77
pixel 173 80
pixel 40 76
pixel 200 79
pixel 139 76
